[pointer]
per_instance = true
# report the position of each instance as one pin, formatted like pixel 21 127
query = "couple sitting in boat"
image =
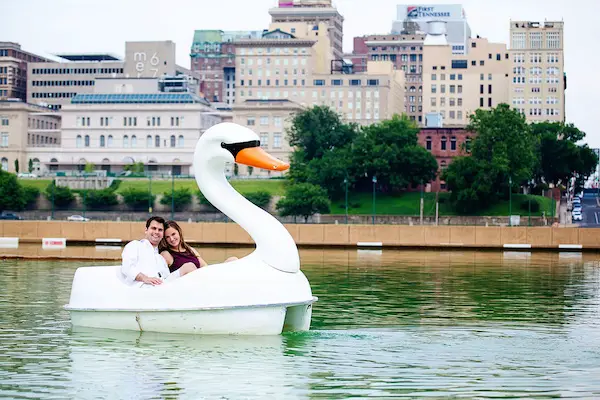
pixel 161 255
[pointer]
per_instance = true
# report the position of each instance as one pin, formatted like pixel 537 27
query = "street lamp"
pixel 374 185
pixel 346 184
pixel 509 201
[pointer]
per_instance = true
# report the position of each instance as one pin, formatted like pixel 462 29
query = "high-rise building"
pixel 311 13
pixel 213 59
pixel 455 85
pixel 405 51
pixel 13 70
pixel 413 19
pixel 538 79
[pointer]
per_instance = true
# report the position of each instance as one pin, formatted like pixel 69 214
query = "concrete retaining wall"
pixel 323 235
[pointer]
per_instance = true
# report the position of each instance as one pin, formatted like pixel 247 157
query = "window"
pixel 319 82
pixel 180 141
pixel 277 121
pixel 433 77
pixel 156 141
pixel 109 141
pixel 4 139
pixel 87 141
pixel 264 120
pixel 4 121
pixel 102 141
pixel 452 139
pixel 443 142
pixel 277 140
pixel 172 141
pixel 433 89
pixel 354 82
pixel 148 141
pixel 518 40
pixel 264 140
pixel 428 142
pixel 535 39
pixel 489 101
pixel 4 164
pixel 481 102
pixel 336 82
pixel 433 101
pixel 250 121
pixel 373 82
pixel 78 141
pixel 125 141
pixel 459 64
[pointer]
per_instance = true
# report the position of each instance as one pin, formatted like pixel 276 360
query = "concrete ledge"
pixel 570 246
pixel 369 244
pixel 516 246
pixel 9 243
pixel 108 240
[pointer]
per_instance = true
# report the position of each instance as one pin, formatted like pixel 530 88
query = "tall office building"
pixel 538 80
pixel 213 59
pixel 312 12
pixel 412 19
pixel 13 70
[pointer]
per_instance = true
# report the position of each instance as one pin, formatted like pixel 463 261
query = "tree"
pixel 137 199
pixel 390 150
pixel 30 169
pixel 250 170
pixel 236 169
pixel 135 168
pixel 89 168
pixel 181 197
pixel 31 194
pixel 61 195
pixel 11 192
pixel 304 199
pixel 17 165
pixel 204 201
pixel 101 199
pixel 471 184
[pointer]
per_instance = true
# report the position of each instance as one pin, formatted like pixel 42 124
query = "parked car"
pixel 10 216
pixel 26 175
pixel 77 218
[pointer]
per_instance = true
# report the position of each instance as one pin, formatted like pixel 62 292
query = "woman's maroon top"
pixel 180 258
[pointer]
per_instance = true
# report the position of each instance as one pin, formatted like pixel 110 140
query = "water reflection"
pixel 388 323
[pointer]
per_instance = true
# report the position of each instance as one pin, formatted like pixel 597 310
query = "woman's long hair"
pixel 164 245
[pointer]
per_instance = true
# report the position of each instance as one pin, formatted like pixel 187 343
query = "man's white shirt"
pixel 140 256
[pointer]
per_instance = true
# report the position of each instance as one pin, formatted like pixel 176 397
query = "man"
pixel 141 261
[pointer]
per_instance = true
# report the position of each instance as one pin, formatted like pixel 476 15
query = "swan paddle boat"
pixel 264 293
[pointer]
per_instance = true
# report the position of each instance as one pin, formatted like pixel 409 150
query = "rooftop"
pixel 89 57
pixel 154 98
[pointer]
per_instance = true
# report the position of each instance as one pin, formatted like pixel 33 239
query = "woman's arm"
pixel 202 262
pixel 168 257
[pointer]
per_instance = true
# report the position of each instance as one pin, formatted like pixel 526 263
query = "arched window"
pixel 412 89
pixel 453 143
pixel 428 142
pixel 78 141
pixel 125 141
pixel 444 143
pixel 87 141
pixel 110 141
pixel 4 164
pixel 133 141
pixel 180 141
pixel 443 165
pixel 102 141
pixel 148 141
pixel 53 160
pixel 36 164
pixel 156 141
pixel 172 140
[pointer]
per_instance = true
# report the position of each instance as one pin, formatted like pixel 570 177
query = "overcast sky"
pixel 69 26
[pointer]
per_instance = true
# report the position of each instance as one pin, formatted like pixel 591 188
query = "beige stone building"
pixel 23 126
pixel 455 85
pixel 538 83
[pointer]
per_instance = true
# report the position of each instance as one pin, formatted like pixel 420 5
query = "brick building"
pixel 13 70
pixel 445 144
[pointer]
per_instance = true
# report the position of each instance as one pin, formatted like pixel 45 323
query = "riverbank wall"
pixel 321 235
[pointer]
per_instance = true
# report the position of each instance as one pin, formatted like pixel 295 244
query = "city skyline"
pixel 490 20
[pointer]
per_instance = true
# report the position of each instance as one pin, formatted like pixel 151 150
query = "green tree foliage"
pixel 471 184
pixel 559 156
pixel 31 194
pixel 138 199
pixel 11 192
pixel 30 166
pixel 259 198
pixel 135 168
pixel 304 199
pixel 17 166
pixel 204 201
pixel 182 198
pixel 530 205
pixel 89 168
pixel 100 199
pixel 236 169
pixel 62 196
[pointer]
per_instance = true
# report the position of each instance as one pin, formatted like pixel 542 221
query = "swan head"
pixel 229 142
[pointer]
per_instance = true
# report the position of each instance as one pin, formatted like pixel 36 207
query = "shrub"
pixel 535 206
pixel 183 198
pixel 114 186
pixel 204 201
pixel 31 195
pixel 100 199
pixel 62 196
pixel 259 198
pixel 137 199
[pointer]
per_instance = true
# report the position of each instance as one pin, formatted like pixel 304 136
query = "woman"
pixel 180 257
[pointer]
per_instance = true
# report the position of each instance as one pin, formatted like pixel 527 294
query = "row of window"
pixel 128 121
pixel 536 70
pixel 453 77
pixel 395 48
pixel 535 100
pixel 452 102
pixel 519 40
pixel 264 121
pixel 444 143
pixel 451 88
pixel 541 111
pixel 270 50
pixel 41 139
pixel 277 61
pixel 63 83
pixel 108 141
pixel 536 58
pixel 536 79
pixel 267 72
pixel 33 123
pixel 65 71
pixel 264 140
pixel 52 95
pixel 394 57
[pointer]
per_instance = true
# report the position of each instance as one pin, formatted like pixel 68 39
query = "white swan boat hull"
pixel 202 302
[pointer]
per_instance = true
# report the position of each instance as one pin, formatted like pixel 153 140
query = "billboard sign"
pixel 430 11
